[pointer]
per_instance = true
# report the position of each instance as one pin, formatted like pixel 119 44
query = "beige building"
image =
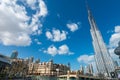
pixel 47 69
pixel 19 67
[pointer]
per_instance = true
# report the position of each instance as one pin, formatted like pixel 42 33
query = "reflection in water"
pixel 49 78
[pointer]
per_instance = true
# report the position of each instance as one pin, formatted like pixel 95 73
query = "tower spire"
pixel 91 18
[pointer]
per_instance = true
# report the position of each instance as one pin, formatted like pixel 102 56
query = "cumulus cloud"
pixel 16 26
pixel 115 37
pixel 87 59
pixel 56 35
pixel 31 3
pixel 43 9
pixel 63 49
pixel 49 35
pixel 52 50
pixel 72 26
pixel 113 42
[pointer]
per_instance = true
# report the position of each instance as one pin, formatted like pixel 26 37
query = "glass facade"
pixel 14 55
pixel 103 60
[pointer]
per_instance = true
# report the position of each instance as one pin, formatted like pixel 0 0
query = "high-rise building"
pixel 86 71
pixel 91 69
pixel 104 62
pixel 14 54
pixel 69 64
pixel 82 69
pixel 37 61
pixel 31 59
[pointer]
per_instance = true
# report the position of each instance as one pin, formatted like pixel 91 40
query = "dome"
pixel 117 50
pixel 119 44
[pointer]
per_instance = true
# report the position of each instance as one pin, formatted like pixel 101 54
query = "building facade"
pixel 104 62
pixel 89 70
pixel 18 68
pixel 47 69
pixel 4 62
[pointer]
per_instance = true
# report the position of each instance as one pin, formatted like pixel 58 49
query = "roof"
pixel 4 59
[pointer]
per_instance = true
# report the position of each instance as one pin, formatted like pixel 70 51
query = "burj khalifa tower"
pixel 103 60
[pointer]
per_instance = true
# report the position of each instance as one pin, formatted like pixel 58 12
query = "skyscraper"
pixel 82 69
pixel 103 60
pixel 31 59
pixel 89 69
pixel 14 54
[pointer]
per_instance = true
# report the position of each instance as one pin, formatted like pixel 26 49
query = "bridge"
pixel 78 77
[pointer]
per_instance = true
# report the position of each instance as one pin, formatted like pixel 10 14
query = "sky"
pixel 57 29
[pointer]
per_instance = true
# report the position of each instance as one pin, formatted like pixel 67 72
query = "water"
pixel 49 78
pixel 44 78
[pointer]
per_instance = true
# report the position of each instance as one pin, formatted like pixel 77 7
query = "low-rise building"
pixel 4 62
pixel 18 68
pixel 47 69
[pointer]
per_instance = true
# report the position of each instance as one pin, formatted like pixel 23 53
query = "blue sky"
pixel 57 29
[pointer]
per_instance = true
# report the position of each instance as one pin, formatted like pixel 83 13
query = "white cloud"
pixel 52 50
pixel 86 59
pixel 63 49
pixel 43 9
pixel 117 29
pixel 49 35
pixel 31 3
pixel 113 42
pixel 16 26
pixel 115 37
pixel 72 26
pixel 37 41
pixel 8 38
pixel 41 6
pixel 56 35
